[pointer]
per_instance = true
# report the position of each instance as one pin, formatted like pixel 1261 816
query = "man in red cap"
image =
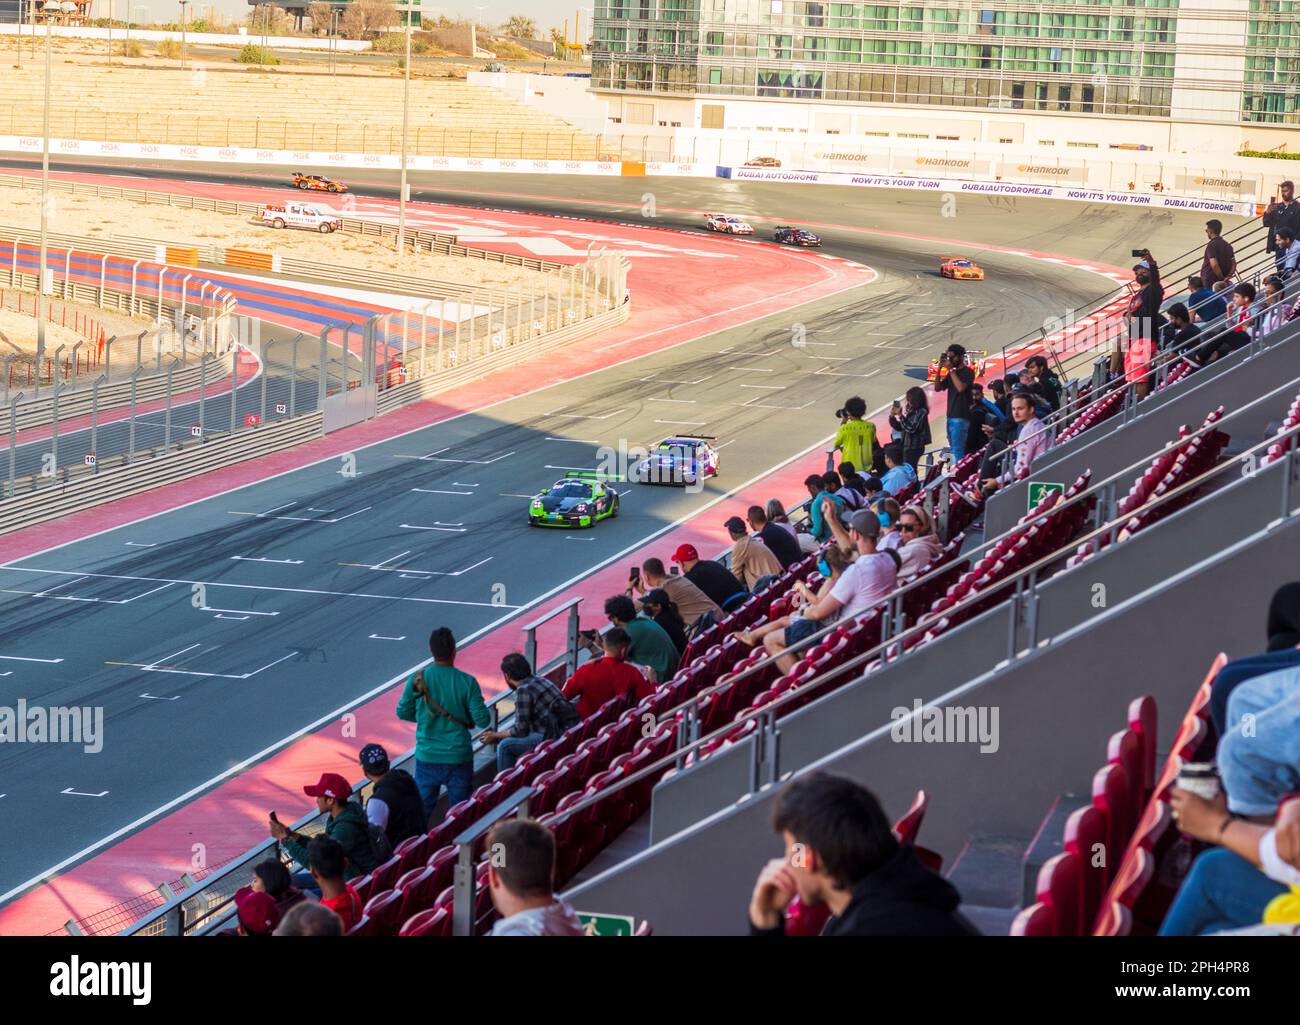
pixel 258 915
pixel 346 824
pixel 719 583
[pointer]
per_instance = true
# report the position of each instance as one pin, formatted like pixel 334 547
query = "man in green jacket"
pixel 445 704
pixel 346 824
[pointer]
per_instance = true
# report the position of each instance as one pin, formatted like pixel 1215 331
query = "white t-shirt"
pixel 891 540
pixel 864 583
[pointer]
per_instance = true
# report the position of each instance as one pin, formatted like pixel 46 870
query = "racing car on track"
pixel 683 459
pixel 976 360
pixel 789 235
pixel 728 224
pixel 578 500
pixel 960 269
pixel 317 183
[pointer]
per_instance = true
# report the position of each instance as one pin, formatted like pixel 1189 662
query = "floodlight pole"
pixel 45 194
pixel 406 115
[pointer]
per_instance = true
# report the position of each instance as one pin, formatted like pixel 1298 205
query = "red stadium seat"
pixel 1125 749
pixel 1114 920
pixel 1060 886
pixel 385 876
pixel 909 825
pixel 413 851
pixel 383 912
pixel 1085 837
pixel 433 922
pixel 1035 920
pixel 1142 720
pixel 1110 795
pixel 419 888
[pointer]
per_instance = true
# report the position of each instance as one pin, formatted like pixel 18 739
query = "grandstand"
pixel 1095 609
pixel 292 111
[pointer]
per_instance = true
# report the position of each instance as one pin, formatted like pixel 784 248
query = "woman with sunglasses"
pixel 921 546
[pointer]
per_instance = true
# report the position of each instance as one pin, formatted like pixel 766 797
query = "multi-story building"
pixel 1226 61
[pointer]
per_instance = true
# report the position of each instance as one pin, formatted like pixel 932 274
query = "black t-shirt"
pixel 959 401
pixel 781 543
pixel 715 580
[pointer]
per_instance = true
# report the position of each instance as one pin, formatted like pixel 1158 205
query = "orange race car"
pixel 317 183
pixel 960 269
pixel 976 360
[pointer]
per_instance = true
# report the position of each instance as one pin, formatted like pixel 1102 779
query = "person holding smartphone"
pixel 910 422
pixel 1282 213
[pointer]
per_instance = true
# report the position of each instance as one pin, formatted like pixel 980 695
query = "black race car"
pixel 789 235
pixel 579 500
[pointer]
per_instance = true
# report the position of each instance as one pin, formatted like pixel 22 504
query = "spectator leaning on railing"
pixel 445 704
pixel 542 712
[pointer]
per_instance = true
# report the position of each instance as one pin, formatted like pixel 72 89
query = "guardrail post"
pixel 463 896
pixel 442 310
pixel 571 647
pixel 94 420
pixel 130 442
pixel 103 280
pixel 234 385
pixel 424 335
pixel 54 428
pixel 324 368
pixel 266 360
pixel 13 438
pixel 167 414
pixel 293 375
pixel 203 386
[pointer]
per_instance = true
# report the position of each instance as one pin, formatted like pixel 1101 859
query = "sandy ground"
pixel 90 216
pixel 20 328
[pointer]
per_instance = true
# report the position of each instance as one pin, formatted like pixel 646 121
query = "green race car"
pixel 579 500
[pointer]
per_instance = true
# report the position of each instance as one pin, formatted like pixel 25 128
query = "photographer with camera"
pixel 956 382
pixel 1144 323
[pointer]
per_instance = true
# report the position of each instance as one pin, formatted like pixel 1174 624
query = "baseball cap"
pixel 373 756
pixel 257 910
pixel 866 523
pixel 685 553
pixel 1142 264
pixel 331 785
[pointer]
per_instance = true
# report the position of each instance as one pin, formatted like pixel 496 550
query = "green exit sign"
pixel 607 925
pixel 1038 490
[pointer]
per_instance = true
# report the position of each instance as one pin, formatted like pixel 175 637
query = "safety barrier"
pixel 82 487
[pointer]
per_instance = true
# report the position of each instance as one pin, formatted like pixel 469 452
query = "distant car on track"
pixel 728 224
pixel 300 215
pixel 682 459
pixel 577 500
pixel 763 162
pixel 977 360
pixel 316 183
pixel 789 235
pixel 960 269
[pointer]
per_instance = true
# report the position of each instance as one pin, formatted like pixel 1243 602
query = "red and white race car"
pixel 728 224
pixel 316 183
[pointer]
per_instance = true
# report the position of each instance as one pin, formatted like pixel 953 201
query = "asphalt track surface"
pixel 211 632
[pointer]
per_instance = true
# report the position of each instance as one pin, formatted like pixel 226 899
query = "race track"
pixel 214 631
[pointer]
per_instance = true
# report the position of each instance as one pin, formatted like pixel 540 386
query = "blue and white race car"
pixel 683 459
pixel 789 235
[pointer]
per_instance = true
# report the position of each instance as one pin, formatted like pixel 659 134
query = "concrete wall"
pixel 459 39
pixel 192 38
pixel 566 98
